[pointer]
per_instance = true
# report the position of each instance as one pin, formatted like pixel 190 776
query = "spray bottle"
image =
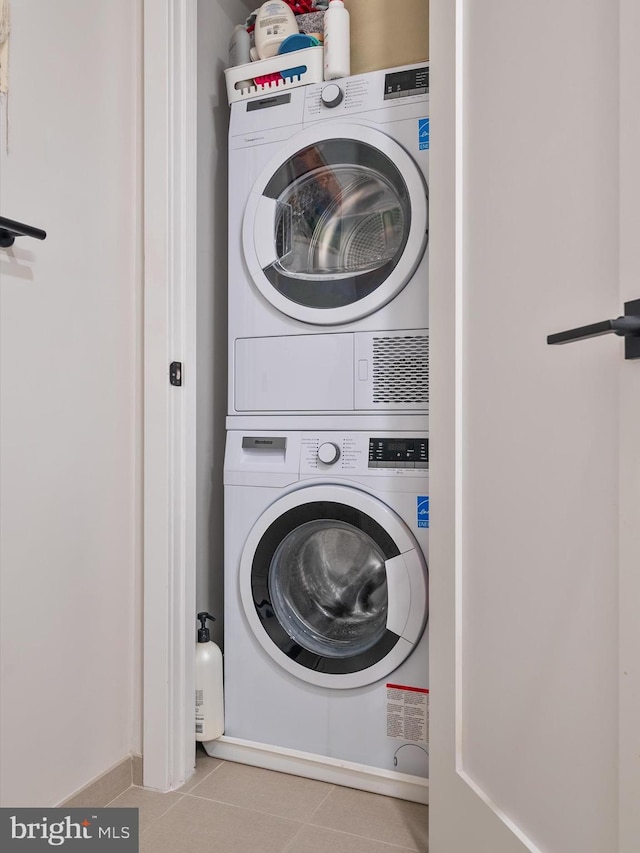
pixel 209 696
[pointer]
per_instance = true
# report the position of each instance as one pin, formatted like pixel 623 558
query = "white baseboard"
pixel 319 767
pixel 104 788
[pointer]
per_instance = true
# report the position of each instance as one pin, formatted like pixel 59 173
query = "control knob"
pixel 328 453
pixel 331 95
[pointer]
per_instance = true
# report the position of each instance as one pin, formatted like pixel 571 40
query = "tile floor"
pixel 233 808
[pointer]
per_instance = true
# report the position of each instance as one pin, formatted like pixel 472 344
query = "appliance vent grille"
pixel 401 369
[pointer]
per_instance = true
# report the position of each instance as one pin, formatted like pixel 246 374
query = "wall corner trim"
pixel 170 78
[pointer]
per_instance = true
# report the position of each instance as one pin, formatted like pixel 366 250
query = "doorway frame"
pixel 170 86
pixel 169 492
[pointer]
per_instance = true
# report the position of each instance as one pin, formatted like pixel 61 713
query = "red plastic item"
pixel 267 79
pixel 301 7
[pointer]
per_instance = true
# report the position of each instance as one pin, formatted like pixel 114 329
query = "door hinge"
pixel 175 373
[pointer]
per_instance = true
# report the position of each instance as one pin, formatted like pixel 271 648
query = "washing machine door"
pixel 336 225
pixel 334 586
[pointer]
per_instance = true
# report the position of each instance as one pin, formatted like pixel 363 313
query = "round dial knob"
pixel 331 95
pixel 328 453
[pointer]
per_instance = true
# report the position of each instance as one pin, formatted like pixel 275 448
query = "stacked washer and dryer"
pixel 326 466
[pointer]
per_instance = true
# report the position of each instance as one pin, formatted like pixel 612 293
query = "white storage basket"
pixel 303 66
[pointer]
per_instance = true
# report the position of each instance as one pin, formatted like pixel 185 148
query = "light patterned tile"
pixel 315 839
pixel 203 826
pixel 375 817
pixel 264 791
pixel 150 804
pixel 205 764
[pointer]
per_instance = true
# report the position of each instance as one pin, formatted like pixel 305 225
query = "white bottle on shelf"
pixel 337 52
pixel 239 46
pixel 274 22
pixel 239 52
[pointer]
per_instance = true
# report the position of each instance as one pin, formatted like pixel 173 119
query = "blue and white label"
pixel 423 133
pixel 423 511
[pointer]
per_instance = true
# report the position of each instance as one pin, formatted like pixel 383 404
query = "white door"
pixel 70 412
pixel 535 476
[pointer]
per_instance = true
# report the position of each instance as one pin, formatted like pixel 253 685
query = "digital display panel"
pixel 401 84
pixel 395 453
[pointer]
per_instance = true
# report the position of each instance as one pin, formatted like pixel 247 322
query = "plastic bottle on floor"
pixel 209 695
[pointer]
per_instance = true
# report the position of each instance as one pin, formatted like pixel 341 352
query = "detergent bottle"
pixel 209 696
pixel 337 50
pixel 274 23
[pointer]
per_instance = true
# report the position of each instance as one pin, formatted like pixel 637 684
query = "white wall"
pixel 70 566
pixel 216 19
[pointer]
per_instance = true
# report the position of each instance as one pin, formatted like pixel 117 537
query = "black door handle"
pixel 10 229
pixel 627 326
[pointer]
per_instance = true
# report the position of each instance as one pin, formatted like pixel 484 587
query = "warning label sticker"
pixel 408 713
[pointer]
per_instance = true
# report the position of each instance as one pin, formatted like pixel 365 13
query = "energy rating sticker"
pixel 423 133
pixel 423 511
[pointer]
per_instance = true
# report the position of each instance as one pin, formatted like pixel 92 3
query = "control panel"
pixel 362 453
pixel 401 84
pixel 364 92
pixel 398 453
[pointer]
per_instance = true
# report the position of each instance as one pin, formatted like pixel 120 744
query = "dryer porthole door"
pixel 334 586
pixel 336 225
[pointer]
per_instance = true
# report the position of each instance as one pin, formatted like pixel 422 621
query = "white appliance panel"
pixel 362 371
pixel 269 703
pixel 296 373
pixel 264 133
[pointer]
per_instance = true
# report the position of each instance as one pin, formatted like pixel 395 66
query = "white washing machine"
pixel 326 595
pixel 328 233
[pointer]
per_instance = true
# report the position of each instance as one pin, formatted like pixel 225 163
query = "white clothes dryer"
pixel 326 595
pixel 328 233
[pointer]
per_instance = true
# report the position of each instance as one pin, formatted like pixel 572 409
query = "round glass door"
pixel 333 585
pixel 328 587
pixel 337 228
pixel 319 587
pixel 343 215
